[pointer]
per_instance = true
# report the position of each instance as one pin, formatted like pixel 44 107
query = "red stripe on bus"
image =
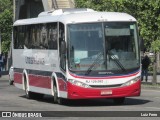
pixel 40 81
pixel 18 78
pixel 62 84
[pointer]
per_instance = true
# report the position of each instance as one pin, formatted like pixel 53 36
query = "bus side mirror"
pixel 63 47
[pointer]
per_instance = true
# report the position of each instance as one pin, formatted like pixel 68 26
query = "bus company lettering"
pixel 34 60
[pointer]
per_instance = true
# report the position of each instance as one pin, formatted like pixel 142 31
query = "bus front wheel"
pixel 55 94
pixel 29 94
pixel 57 99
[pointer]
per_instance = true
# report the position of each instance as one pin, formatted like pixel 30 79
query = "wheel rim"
pixel 26 88
pixel 9 81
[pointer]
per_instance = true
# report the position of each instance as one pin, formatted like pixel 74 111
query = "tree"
pixel 6 16
pixel 156 48
pixel 5 4
pixel 100 5
pixel 147 14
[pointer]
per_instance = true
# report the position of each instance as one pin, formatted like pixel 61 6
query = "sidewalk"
pixel 4 72
pixel 150 78
pixel 4 77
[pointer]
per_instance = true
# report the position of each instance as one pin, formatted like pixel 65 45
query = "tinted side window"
pixel 62 39
pixel 52 35
pixel 15 37
pixel 18 36
pixel 38 36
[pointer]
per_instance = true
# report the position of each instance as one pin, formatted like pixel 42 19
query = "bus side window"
pixel 62 55
pixel 25 37
pixel 52 35
pixel 22 37
pixel 29 36
pixel 18 37
pixel 44 41
pixel 15 37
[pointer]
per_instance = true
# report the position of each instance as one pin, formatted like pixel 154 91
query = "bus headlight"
pixel 134 80
pixel 78 83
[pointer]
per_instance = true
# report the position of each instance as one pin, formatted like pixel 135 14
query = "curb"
pixel 150 86
pixel 4 72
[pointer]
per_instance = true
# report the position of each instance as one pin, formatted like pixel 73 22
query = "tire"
pixel 29 95
pixel 119 101
pixel 32 95
pixel 61 101
pixel 11 82
pixel 57 99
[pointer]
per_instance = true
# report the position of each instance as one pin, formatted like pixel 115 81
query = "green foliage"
pixel 156 45
pixel 147 13
pixel 5 46
pixel 5 4
pixel 6 16
pixel 6 21
pixel 100 5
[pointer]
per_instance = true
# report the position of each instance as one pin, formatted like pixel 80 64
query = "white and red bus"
pixel 77 54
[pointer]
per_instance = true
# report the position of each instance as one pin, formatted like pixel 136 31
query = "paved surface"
pixel 13 99
pixel 150 78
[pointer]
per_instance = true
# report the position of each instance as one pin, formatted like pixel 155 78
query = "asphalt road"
pixel 13 99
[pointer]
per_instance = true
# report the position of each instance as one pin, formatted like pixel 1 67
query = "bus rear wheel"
pixel 11 82
pixel 119 101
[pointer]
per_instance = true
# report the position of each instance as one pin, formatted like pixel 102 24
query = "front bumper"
pixel 75 92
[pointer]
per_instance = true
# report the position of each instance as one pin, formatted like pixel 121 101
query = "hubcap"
pixel 26 88
pixel 55 94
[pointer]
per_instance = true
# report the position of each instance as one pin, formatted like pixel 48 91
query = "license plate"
pixel 106 92
pixel 95 82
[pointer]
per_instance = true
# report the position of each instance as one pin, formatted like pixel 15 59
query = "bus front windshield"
pixel 103 48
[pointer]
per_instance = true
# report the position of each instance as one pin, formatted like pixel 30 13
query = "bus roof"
pixel 76 16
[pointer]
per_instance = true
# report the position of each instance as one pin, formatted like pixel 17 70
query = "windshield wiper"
pixel 115 59
pixel 98 58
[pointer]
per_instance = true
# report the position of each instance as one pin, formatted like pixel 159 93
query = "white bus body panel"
pixel 46 60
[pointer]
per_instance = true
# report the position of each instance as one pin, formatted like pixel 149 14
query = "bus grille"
pixel 105 86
